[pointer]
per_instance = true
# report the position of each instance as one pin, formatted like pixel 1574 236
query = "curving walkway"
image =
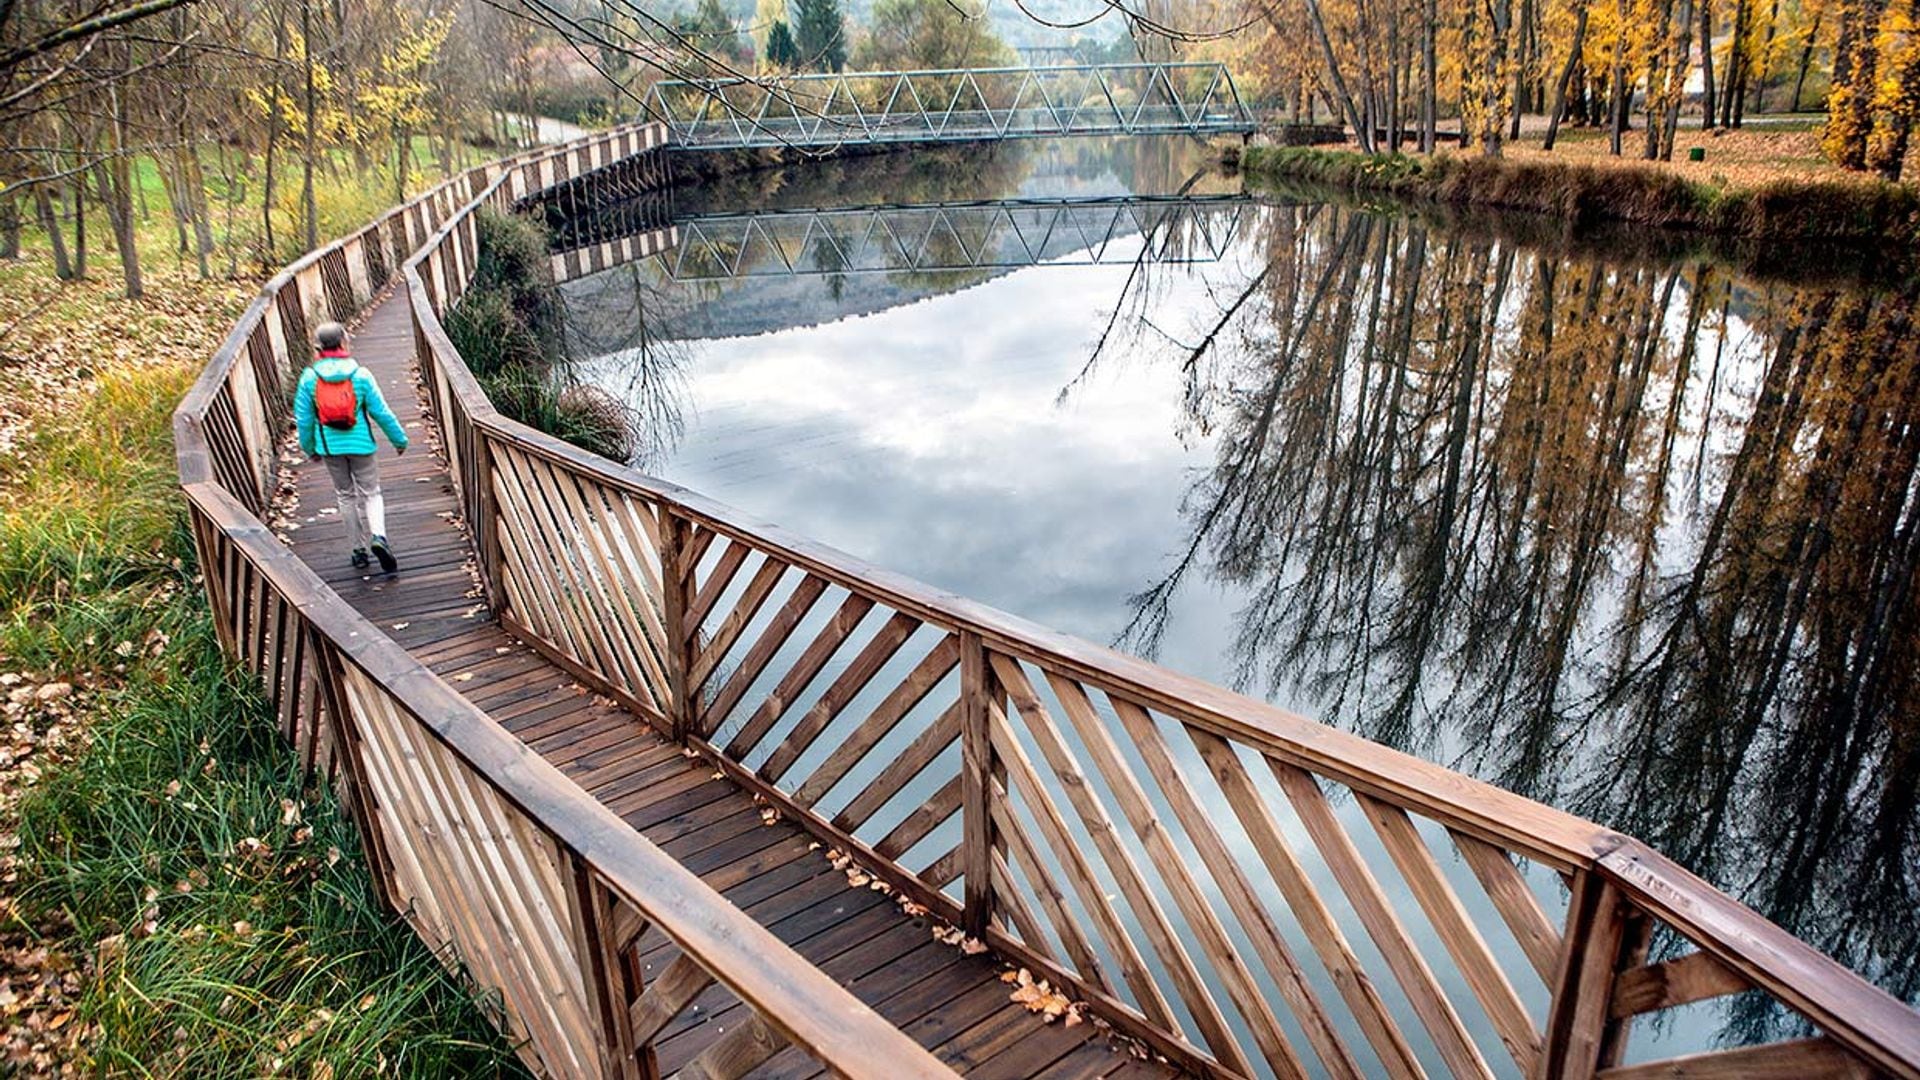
pixel 951 1003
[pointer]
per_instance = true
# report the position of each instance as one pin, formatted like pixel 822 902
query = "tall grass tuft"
pixel 510 328
pixel 227 912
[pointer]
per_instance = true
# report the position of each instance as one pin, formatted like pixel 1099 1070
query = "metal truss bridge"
pixel 957 105
pixel 997 234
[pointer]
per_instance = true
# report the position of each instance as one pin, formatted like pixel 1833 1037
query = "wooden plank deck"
pixel 953 1004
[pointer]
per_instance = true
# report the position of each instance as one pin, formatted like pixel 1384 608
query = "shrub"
pixel 510 328
pixel 1584 194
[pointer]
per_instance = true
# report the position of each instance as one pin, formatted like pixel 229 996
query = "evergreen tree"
pixel 782 53
pixel 820 31
pixel 716 28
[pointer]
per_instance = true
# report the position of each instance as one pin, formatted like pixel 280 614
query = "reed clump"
pixel 1583 194
pixel 510 328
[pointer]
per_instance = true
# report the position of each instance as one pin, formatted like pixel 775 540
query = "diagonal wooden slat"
pixel 715 649
pixel 926 746
pixel 886 716
pixel 736 1053
pixel 925 818
pixel 722 575
pixel 772 637
pixel 1013 909
pixel 673 990
pixel 1363 1000
pixel 1119 862
pixel 867 664
pixel 1457 932
pixel 1670 983
pixel 1052 900
pixel 1246 907
pixel 1513 899
pixel 1383 926
pixel 795 681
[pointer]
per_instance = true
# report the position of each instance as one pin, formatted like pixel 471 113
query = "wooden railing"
pixel 526 883
pixel 1163 850
pixel 1150 843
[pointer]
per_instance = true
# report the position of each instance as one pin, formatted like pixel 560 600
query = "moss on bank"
pixel 1580 194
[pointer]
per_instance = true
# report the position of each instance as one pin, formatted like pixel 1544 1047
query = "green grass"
pixel 216 957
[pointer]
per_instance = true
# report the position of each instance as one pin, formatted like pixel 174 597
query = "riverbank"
pixel 1583 193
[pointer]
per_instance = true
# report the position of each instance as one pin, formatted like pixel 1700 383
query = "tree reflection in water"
pixel 1637 540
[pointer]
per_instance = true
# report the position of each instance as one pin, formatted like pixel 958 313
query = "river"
pixel 1622 526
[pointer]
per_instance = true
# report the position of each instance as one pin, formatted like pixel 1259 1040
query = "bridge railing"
pixel 518 878
pixel 1243 890
pixel 951 104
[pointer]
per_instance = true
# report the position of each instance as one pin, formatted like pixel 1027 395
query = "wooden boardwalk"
pixel 951 1003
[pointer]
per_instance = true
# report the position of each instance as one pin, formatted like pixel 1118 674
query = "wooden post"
pixel 486 524
pixel 608 987
pixel 976 777
pixel 346 749
pixel 676 580
pixel 207 543
pixel 1578 1041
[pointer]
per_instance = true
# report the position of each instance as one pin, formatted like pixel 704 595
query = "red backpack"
pixel 335 404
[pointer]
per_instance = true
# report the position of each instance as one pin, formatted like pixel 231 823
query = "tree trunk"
pixel 1887 149
pixel 1677 86
pixel 1656 104
pixel 310 207
pixel 401 140
pixel 1393 86
pixel 1493 122
pixel 1706 65
pixel 1559 105
pixel 1621 94
pixel 1523 63
pixel 1429 78
pixel 195 182
pixel 1855 68
pixel 56 236
pixel 9 226
pixel 1343 98
pixel 112 178
pixel 273 134
pixel 1806 58
pixel 78 186
pixel 1732 100
pixel 1766 59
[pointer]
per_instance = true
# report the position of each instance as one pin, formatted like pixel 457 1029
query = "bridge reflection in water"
pixel 985 235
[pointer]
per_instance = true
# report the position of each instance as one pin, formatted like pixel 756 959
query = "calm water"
pixel 1634 533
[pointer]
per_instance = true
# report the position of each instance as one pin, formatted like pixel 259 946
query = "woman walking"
pixel 334 408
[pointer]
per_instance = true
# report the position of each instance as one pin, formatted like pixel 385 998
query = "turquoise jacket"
pixel 320 440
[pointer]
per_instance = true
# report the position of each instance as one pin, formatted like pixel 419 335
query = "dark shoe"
pixel 385 555
pixel 359 558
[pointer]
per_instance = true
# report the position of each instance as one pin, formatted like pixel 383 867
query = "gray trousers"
pixel 356 486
